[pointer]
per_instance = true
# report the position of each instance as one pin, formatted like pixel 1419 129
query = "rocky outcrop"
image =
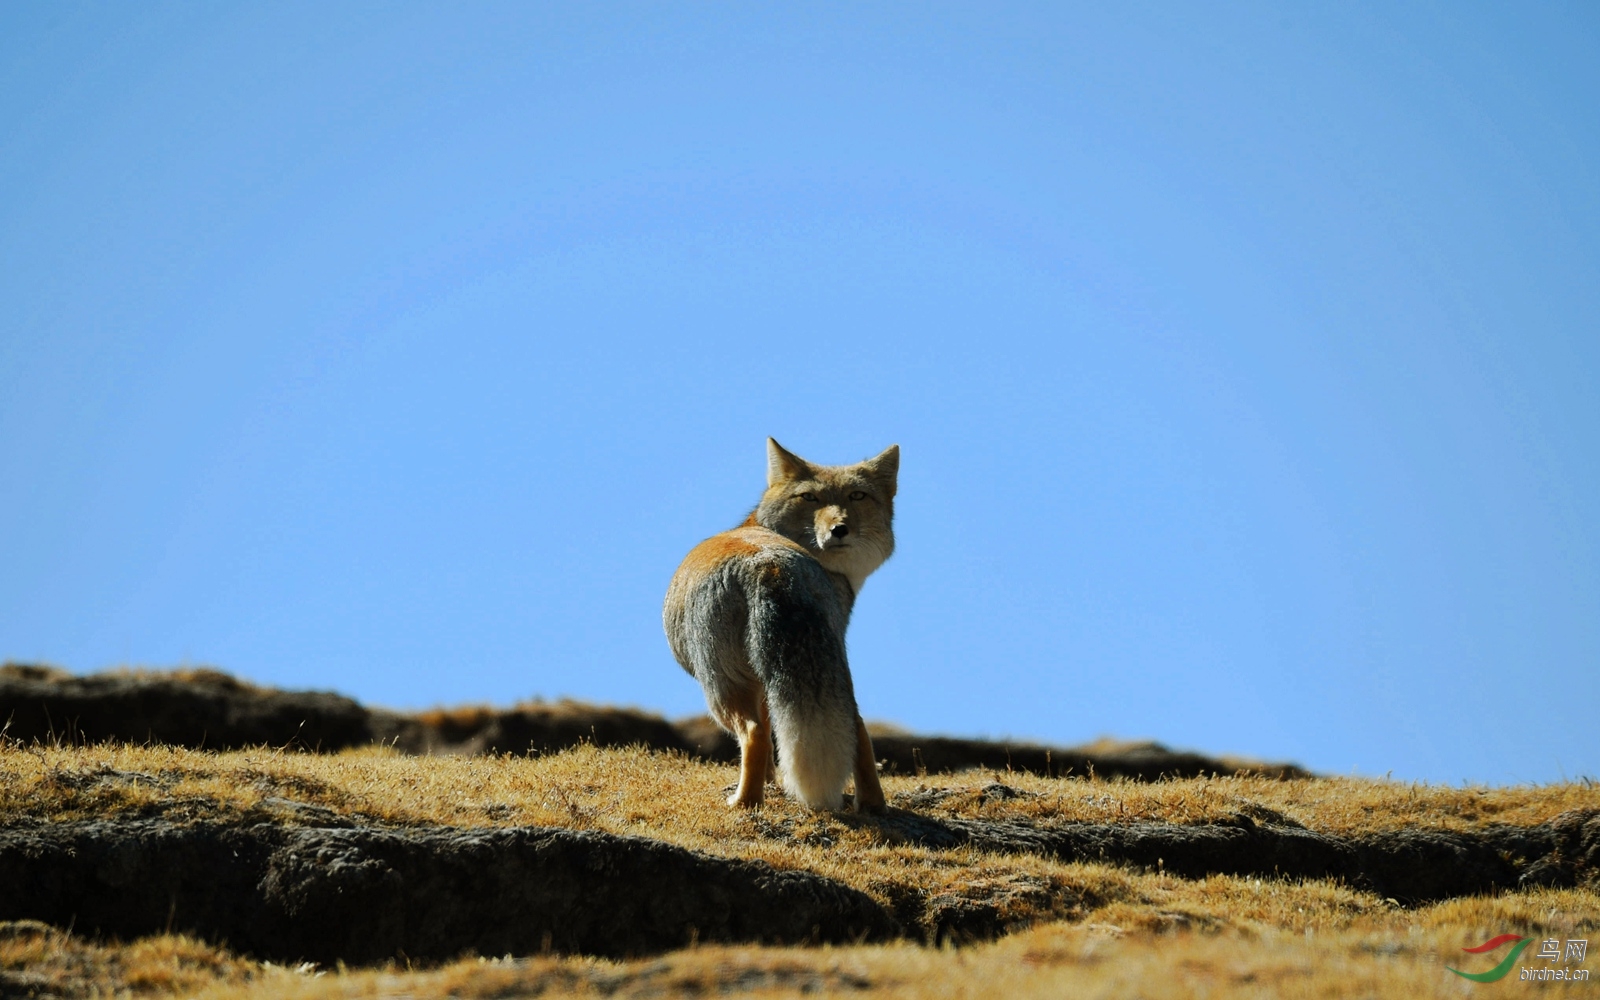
pixel 533 728
pixel 207 708
pixel 907 754
pixel 1410 866
pixel 190 708
pixel 364 895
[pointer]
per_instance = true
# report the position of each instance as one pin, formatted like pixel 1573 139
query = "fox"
pixel 758 614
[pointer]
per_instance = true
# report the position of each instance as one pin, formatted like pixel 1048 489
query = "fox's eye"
pixel 858 495
pixel 812 497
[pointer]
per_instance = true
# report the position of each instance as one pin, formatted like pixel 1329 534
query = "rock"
pixel 1412 866
pixel 908 754
pixel 536 728
pixel 707 739
pixel 364 895
pixel 208 708
pixel 189 708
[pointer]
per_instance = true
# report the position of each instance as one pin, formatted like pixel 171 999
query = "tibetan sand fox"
pixel 758 615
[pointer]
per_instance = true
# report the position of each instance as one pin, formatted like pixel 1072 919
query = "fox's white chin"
pixel 854 559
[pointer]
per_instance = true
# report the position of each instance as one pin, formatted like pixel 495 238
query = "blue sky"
pixel 1244 358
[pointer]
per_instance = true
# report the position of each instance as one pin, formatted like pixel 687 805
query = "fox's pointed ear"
pixel 886 468
pixel 783 465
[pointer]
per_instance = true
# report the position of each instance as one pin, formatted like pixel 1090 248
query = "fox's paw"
pixel 864 805
pixel 869 805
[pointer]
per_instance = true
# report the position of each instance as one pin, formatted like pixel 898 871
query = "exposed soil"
pixel 210 709
pixel 526 729
pixel 363 894
pixel 298 881
pixel 1409 866
pixel 907 754
pixel 191 708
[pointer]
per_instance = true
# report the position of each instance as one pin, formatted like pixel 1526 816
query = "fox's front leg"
pixel 869 791
pixel 755 760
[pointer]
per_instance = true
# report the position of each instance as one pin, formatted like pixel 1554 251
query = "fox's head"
pixel 842 514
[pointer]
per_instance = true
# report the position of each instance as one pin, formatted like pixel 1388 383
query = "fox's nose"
pixel 841 530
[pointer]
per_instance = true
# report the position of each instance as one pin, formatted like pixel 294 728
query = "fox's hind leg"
pixel 755 762
pixel 869 791
pixel 745 715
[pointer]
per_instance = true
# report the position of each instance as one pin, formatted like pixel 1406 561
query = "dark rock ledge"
pixel 1409 866
pixel 208 709
pixel 362 895
pixel 365 894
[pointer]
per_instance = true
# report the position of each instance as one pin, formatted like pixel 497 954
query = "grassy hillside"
pixel 1062 926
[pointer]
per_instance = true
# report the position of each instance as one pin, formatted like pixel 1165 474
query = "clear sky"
pixel 1244 359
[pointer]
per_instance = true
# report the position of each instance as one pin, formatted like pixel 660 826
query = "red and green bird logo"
pixel 1498 972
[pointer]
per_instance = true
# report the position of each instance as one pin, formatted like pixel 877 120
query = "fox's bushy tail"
pixel 816 753
pixel 796 647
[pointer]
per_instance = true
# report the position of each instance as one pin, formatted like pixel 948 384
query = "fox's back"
pixel 748 577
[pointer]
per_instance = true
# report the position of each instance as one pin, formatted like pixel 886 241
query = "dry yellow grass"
pixel 37 960
pixel 1384 954
pixel 1087 928
pixel 673 797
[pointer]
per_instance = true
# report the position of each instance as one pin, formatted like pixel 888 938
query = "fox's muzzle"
pixel 831 528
